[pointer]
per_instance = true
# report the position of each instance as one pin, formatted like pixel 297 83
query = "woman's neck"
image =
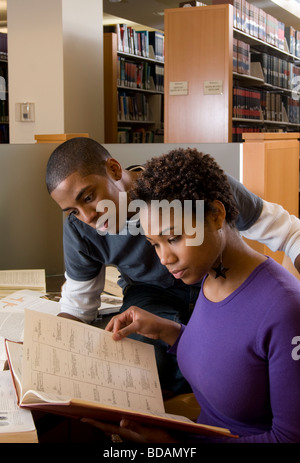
pixel 239 259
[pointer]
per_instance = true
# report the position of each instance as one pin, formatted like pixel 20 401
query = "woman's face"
pixel 186 262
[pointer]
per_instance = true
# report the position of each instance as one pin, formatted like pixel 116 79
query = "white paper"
pixel 72 359
pixel 12 315
pixel 12 418
pixel 33 278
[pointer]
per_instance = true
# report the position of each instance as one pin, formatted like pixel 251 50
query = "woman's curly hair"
pixel 185 174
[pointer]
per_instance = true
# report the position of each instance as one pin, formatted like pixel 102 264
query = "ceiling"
pixel 146 12
pixel 150 12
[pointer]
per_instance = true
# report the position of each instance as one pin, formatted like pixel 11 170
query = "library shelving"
pixel 4 123
pixel 237 79
pixel 133 87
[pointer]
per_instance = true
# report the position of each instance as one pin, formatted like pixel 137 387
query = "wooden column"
pixel 198 56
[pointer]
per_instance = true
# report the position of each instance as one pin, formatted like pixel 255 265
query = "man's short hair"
pixel 80 154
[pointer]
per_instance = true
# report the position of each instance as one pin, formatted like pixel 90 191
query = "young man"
pixel 80 173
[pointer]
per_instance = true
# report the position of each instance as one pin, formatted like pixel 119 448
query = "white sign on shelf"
pixel 213 87
pixel 178 88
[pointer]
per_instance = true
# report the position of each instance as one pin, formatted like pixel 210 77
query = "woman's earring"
pixel 220 269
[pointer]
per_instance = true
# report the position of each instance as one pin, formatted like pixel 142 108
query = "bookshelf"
pixel 133 90
pixel 228 93
pixel 4 126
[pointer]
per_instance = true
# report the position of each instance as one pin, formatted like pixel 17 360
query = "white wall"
pixel 35 66
pixel 55 60
pixel 83 67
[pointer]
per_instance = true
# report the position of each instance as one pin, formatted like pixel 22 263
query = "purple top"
pixel 240 358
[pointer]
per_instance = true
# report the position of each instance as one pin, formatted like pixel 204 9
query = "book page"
pixel 12 418
pixel 17 279
pixel 71 359
pixel 12 315
pixel 109 304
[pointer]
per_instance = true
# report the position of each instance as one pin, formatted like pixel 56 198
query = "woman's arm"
pixel 136 320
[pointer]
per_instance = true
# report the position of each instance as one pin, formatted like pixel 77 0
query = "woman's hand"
pixel 136 320
pixel 134 432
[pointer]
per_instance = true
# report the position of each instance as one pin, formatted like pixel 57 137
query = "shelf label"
pixel 213 87
pixel 178 88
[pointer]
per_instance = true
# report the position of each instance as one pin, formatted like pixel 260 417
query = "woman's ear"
pixel 218 213
pixel 114 169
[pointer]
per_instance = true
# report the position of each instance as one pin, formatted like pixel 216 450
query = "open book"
pixel 78 370
pixel 16 424
pixel 12 309
pixel 12 280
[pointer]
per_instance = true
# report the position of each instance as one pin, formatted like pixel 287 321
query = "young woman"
pixel 239 348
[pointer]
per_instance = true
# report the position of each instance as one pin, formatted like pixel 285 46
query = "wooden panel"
pixel 198 48
pixel 58 138
pixel 271 170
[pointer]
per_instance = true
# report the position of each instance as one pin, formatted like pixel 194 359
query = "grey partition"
pixel 31 223
pixel 228 155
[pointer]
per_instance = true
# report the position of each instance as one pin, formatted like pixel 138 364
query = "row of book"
pixel 139 42
pixel 3 110
pixel 142 75
pixel 241 57
pixel 4 133
pixel 135 135
pixel 293 110
pixel 133 107
pixel 265 105
pixel 277 72
pixel 254 21
pixel 3 46
pixel 238 130
pixel 246 103
pixel 273 107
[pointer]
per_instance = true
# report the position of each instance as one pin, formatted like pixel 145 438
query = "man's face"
pixel 80 195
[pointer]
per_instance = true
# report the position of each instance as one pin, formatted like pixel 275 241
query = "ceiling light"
pixel 115 1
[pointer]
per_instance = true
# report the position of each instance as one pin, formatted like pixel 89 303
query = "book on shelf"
pixel 12 280
pixel 276 71
pixel 78 370
pixel 241 57
pixel 256 22
pixel 132 107
pixel 157 74
pixel 156 41
pixel 133 75
pixel 130 40
pixel 3 46
pixel 290 35
pixel 16 424
pixel 246 103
